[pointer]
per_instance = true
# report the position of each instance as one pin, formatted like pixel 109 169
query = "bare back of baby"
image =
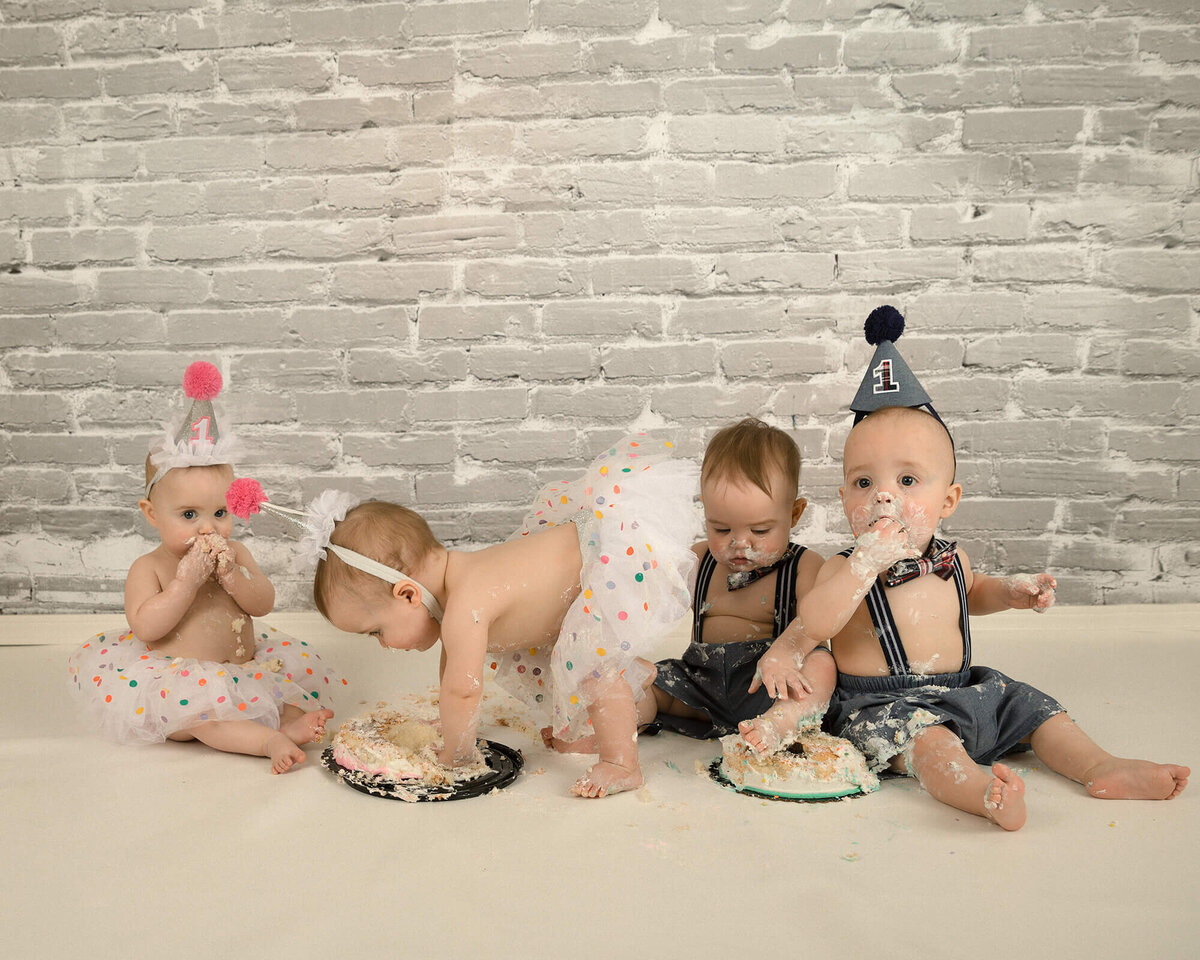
pixel 521 588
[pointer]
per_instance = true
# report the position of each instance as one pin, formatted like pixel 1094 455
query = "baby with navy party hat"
pixel 193 665
pixel 908 695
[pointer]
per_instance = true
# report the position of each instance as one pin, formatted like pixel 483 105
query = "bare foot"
pixel 282 752
pixel 1004 801
pixel 761 734
pixel 306 728
pixel 582 745
pixel 1119 779
pixel 606 778
pixel 779 726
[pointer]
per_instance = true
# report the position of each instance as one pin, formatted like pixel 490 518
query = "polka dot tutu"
pixel 138 695
pixel 635 515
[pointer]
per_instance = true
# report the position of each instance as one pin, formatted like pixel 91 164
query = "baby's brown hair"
pixel 394 535
pixel 893 412
pixel 748 450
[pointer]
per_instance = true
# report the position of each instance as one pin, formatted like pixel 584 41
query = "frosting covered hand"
pixel 778 672
pixel 879 547
pixel 198 564
pixel 226 564
pixel 1027 591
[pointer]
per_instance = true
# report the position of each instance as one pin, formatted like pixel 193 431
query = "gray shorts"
pixel 715 678
pixel 991 713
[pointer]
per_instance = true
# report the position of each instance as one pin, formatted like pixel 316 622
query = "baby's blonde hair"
pixel 394 535
pixel 748 450
pixel 151 470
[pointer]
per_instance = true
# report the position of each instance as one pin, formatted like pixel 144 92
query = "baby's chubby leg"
pixel 281 747
pixel 1066 749
pixel 653 702
pixel 777 727
pixel 614 718
pixel 938 760
pixel 248 737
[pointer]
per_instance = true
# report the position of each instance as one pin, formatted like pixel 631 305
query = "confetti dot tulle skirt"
pixel 634 511
pixel 136 695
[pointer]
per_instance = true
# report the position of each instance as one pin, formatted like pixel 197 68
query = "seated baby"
pixel 744 669
pixel 193 665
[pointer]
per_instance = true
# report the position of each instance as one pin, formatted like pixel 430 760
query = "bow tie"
pixel 735 581
pixel 940 562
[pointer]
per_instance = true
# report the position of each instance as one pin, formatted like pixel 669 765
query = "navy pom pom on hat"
pixel 888 381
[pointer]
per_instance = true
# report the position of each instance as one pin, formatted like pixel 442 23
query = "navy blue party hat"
pixel 888 381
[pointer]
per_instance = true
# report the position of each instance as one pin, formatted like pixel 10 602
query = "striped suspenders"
pixel 885 623
pixel 785 592
pixel 708 564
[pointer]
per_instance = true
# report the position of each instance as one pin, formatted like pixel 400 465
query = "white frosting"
pixel 387 744
pixel 815 763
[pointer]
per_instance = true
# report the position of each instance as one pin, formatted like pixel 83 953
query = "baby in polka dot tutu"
pixel 193 664
pixel 565 614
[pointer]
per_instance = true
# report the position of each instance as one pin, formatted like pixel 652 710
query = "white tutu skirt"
pixel 136 695
pixel 635 515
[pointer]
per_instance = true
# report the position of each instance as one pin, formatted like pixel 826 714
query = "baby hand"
pixel 1029 591
pixel 778 671
pixel 447 758
pixel 197 564
pixel 227 566
pixel 880 547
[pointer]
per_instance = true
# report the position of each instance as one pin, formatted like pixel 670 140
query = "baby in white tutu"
pixel 193 665
pixel 559 614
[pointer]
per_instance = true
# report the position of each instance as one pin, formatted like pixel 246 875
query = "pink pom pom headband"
pixel 246 496
pixel 197 440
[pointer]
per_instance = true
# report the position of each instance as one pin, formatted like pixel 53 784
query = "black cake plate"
pixel 504 763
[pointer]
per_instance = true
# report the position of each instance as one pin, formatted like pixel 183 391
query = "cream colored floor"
pixel 177 851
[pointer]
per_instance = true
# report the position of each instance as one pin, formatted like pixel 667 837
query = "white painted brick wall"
pixel 444 251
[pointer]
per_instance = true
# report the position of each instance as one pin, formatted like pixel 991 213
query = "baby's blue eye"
pixel 862 483
pixel 908 480
pixel 189 514
pixel 219 514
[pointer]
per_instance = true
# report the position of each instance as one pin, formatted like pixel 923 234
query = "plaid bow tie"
pixel 735 581
pixel 940 562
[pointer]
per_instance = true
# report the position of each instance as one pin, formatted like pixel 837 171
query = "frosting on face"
pixel 898 483
pixel 747 528
pixel 888 510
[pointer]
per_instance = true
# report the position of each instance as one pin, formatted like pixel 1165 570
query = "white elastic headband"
pixel 318 522
pixel 390 574
pixel 191 453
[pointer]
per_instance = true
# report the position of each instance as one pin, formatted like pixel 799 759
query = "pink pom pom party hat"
pixel 196 440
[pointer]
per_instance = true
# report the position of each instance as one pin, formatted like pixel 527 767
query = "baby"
pixel 193 665
pixel 559 614
pixel 743 669
pixel 907 694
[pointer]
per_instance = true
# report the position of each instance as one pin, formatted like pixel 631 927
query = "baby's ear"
pixel 407 591
pixel 147 509
pixel 798 508
pixel 953 496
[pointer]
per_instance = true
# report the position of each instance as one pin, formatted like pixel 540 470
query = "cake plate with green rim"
pixel 716 770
